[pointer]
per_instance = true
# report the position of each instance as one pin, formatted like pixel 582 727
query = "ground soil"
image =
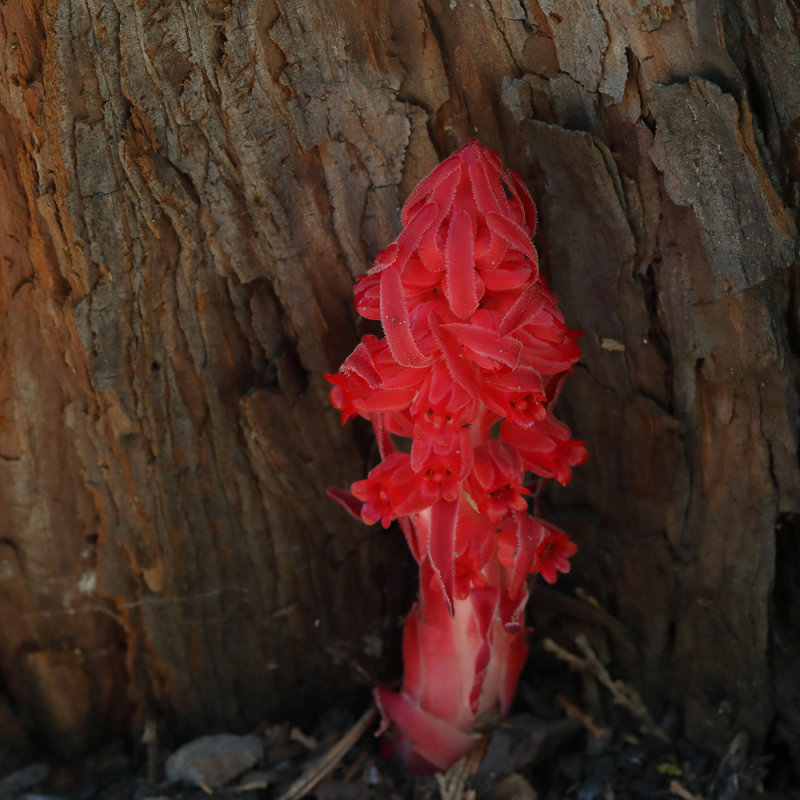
pixel 576 733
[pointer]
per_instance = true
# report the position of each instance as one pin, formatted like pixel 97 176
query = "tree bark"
pixel 188 191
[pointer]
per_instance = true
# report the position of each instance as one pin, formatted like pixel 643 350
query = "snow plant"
pixel 460 392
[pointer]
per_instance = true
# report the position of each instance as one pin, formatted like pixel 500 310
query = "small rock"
pixel 339 790
pixel 212 761
pixel 591 788
pixel 514 787
pixel 523 740
pixel 40 797
pixel 257 779
pixel 23 779
pixel 597 745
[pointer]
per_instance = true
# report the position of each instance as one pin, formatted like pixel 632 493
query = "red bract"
pixel 472 338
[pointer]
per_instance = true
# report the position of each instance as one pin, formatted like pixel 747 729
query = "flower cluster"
pixel 473 356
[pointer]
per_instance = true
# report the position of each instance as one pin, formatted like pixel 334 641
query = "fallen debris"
pixel 623 694
pixel 213 761
pixel 453 783
pixel 23 779
pixel 573 712
pixel 328 762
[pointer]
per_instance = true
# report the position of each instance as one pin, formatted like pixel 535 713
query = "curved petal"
pixel 442 547
pixel 459 367
pixel 484 342
pixel 446 170
pixel 437 742
pixel 514 235
pixel 529 536
pixel 460 285
pixel 522 310
pixel 523 196
pixel 396 324
pixel 346 500
pixel 488 194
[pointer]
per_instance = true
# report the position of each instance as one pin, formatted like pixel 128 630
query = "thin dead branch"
pixel 678 789
pixel 622 694
pixel 453 783
pixel 320 770
pixel 573 712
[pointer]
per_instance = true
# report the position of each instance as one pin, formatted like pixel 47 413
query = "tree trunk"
pixel 188 190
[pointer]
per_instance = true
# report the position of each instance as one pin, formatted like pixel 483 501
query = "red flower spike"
pixel 472 337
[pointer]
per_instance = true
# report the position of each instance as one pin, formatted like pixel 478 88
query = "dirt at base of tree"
pixel 551 748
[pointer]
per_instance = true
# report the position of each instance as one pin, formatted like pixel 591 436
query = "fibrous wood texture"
pixel 187 191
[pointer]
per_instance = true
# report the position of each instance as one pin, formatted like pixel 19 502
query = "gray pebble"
pixel 213 761
pixel 23 779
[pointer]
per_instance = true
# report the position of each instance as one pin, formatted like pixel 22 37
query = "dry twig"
pixel 353 769
pixel 453 783
pixel 677 788
pixel 150 740
pixel 252 785
pixel 573 712
pixel 296 735
pixel 623 694
pixel 320 770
